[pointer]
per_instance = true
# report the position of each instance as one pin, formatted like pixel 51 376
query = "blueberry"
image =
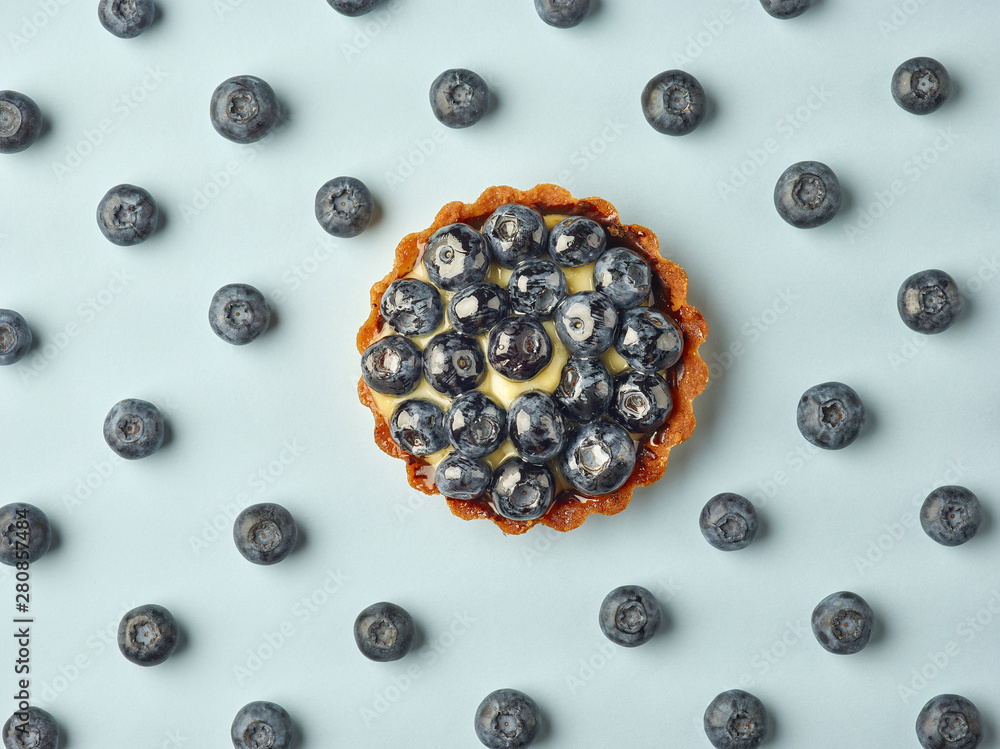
pixel 624 277
pixel 417 426
pixel 519 348
pixel 536 287
pixel 384 632
pixel 641 401
pixel 412 307
pixel 921 85
pixel 265 533
pixel 134 428
pixel 950 515
pixel 459 98
pixel 563 14
pixel 392 365
pixel 807 194
pixel 576 241
pixel 459 477
pixel 262 725
pixel 353 7
pixel 238 313
pixel 456 256
pixel 842 623
pixel 15 337
pixel 476 425
pixel 127 215
pixel 25 533
pixel 147 635
pixel 830 415
pixel 586 323
pixel 507 719
pixel 522 490
pixel 244 109
pixel 515 233
pixel 535 426
pixel 344 207
pixel 673 102
pixel 929 301
pixel 39 731
pixel 648 340
pixel 735 720
pixel 630 616
pixel 585 389
pixel 126 18
pixel 454 363
pixel 949 721
pixel 477 308
pixel 786 8
pixel 728 522
pixel 20 121
pixel 598 458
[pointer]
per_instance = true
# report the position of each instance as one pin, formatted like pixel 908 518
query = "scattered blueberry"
pixel 126 18
pixel 244 109
pixel 921 85
pixel 454 363
pixel 147 635
pixel 15 337
pixel 25 534
pixel 476 425
pixel 459 98
pixel 417 426
pixel 929 301
pixel 265 533
pixel 598 458
pixel 586 323
pixel 786 8
pixel 238 313
pixel 563 14
pixel 412 307
pixel 949 721
pixel 536 287
pixel 384 632
pixel 842 623
pixel 630 616
pixel 127 215
pixel 830 415
pixel 735 720
pixel 20 121
pixel 477 308
pixel 641 401
pixel 648 340
pixel 459 477
pixel 134 428
pixel 807 194
pixel 624 277
pixel 515 233
pixel 576 241
pixel 33 728
pixel 519 348
pixel 535 426
pixel 353 7
pixel 456 256
pixel 950 515
pixel 728 522
pixel 507 719
pixel 262 725
pixel 585 389
pixel 522 490
pixel 673 102
pixel 344 207
pixel 392 365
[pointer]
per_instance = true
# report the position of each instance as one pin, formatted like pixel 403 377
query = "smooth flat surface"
pixel 278 420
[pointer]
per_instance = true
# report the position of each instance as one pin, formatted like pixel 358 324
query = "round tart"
pixel 531 358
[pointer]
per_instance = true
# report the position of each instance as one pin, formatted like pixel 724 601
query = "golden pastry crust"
pixel 686 379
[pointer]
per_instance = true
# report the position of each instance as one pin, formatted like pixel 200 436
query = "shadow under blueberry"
pixel 65 738
pixel 419 640
pixel 773 727
pixel 298 736
pixel 55 539
pixel 275 319
pixel 496 103
pixel 45 128
pixel 596 9
pixel 376 213
pixel 544 726
pixel 985 521
pixel 162 220
pixel 763 529
pixel 158 16
pixel 168 433
pixel 301 539
pixel 847 203
pixel 182 641
pixel 878 629
pixel 711 112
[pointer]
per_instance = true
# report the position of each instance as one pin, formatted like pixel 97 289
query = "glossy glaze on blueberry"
pixel 477 308
pixel 459 98
pixel 598 458
pixel 586 323
pixel 949 721
pixel 630 615
pixel 585 389
pixel 507 719
pixel 412 307
pixel 134 429
pixel 830 415
pixel 728 522
pixel 648 340
pixel 20 543
pixel 417 426
pixel 624 276
pixel 456 256
pixel 147 635
pixel 454 363
pixel 20 122
pixel 535 427
pixel 921 85
pixel 459 477
pixel 262 725
pixel 126 19
pixel 515 233
pixel 673 102
pixel 929 302
pixel 807 194
pixel 476 424
pixel 521 490
pixel 536 287
pixel 842 623
pixel 576 241
pixel 15 337
pixel 641 401
pixel 562 14
pixel 243 109
pixel 344 207
pixel 39 731
pixel 786 8
pixel 238 314
pixel 353 7
pixel 384 632
pixel 519 348
pixel 265 533
pixel 735 720
pixel 951 515
pixel 127 215
pixel 392 365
